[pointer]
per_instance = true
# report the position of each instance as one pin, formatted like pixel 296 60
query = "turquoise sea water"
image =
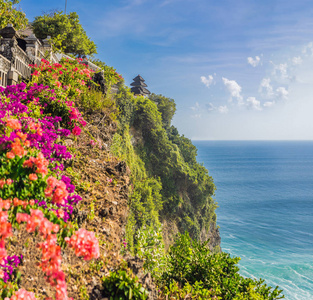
pixel 265 214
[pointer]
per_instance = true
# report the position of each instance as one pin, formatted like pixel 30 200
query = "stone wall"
pixel 16 54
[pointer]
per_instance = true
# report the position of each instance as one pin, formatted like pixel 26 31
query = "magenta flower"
pixel 76 130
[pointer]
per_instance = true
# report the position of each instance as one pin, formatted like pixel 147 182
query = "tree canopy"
pixel 10 15
pixel 66 32
pixel 166 107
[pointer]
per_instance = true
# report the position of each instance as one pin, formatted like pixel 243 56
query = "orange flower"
pixel 17 149
pixel 10 155
pixel 14 124
pixel 2 183
pixel 21 135
pixel 33 177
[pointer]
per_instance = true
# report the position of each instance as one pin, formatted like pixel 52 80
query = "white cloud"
pixel 269 103
pixel 223 109
pixel 208 81
pixel 234 88
pixel 196 107
pixel 282 93
pixel 253 103
pixel 281 70
pixel 196 111
pixel 297 60
pixel 210 107
pixel 196 116
pixel 266 88
pixel 254 62
pixel 308 49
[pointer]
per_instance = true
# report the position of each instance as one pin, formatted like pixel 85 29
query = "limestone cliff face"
pixel 171 224
pixel 213 236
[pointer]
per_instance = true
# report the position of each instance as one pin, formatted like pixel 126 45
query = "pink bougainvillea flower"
pixel 21 135
pixel 10 155
pixel 17 148
pixel 76 130
pixel 5 204
pixel 5 227
pixel 3 252
pixel 14 124
pixel 85 244
pixel 2 183
pixel 33 177
pixel 20 217
pixel 22 294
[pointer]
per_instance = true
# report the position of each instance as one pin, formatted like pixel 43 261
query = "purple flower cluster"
pixel 71 200
pixel 10 264
pixel 41 132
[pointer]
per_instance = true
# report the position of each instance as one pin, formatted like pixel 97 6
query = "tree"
pixel 10 15
pixel 66 32
pixel 166 107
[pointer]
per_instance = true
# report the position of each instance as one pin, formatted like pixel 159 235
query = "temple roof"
pixel 138 78
pixel 138 86
pixel 137 90
pixel 140 83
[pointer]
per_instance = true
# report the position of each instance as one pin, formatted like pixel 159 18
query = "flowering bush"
pixel 69 78
pixel 32 189
pixel 111 77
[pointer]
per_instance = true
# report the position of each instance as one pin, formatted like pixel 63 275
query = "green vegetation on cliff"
pixel 183 189
pixel 170 198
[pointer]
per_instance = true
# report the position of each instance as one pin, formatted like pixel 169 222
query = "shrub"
pixel 121 285
pixel 192 262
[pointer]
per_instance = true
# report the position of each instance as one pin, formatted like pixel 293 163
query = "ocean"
pixel 265 197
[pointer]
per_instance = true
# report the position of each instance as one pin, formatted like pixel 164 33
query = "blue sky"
pixel 238 70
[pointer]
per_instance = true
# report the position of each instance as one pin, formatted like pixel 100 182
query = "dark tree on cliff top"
pixel 66 32
pixel 11 15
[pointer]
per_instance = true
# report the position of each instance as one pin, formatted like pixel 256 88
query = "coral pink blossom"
pixel 5 227
pixel 57 190
pixel 20 217
pixel 21 135
pixel 17 148
pixel 10 155
pixel 40 162
pixel 85 244
pixel 2 183
pixel 35 220
pixel 14 124
pixel 5 204
pixel 58 83
pixel 33 177
pixel 52 181
pixel 22 294
pixel 3 252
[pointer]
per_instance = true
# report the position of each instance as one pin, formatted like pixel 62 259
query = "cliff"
pixel 88 170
